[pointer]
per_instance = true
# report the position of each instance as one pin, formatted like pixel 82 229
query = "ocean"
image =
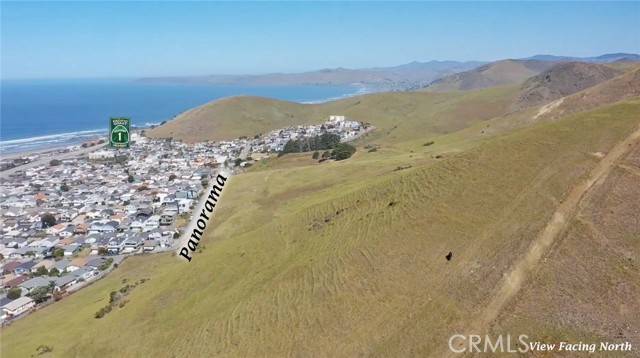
pixel 43 114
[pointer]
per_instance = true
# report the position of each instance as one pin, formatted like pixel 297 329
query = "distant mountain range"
pixel 410 76
pixel 516 71
pixel 529 83
pixel 606 58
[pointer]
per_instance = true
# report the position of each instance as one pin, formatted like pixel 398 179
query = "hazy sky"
pixel 130 39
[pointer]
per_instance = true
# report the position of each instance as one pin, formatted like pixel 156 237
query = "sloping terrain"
pixel 407 112
pixel 617 89
pixel 505 72
pixel 402 114
pixel 562 80
pixel 347 258
pixel 233 117
pixel 588 286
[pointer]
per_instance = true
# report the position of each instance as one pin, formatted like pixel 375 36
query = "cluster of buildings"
pixel 275 141
pixel 67 222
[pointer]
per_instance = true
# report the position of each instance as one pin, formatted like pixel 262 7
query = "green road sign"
pixel 119 133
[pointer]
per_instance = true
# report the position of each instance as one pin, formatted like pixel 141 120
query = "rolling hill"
pixel 400 112
pixel 617 89
pixel 562 80
pixel 233 117
pixel 347 258
pixel 505 72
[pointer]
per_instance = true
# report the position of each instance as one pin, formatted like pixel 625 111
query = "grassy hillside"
pixel 233 117
pixel 398 116
pixel 590 283
pixel 347 258
pixel 617 89
pixel 500 73
pixel 563 80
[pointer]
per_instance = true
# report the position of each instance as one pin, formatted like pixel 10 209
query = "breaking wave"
pixel 50 141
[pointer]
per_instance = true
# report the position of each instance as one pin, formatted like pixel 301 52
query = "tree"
pixel 237 162
pixel 103 311
pixel 41 271
pixel 54 272
pixel 315 155
pixel 342 151
pixel 172 177
pixel 320 142
pixel 131 179
pixel 55 162
pixel 105 265
pixel 14 293
pixel 326 154
pixel 64 187
pixel 102 251
pixel 40 294
pixel 113 296
pixel 48 220
pixel 58 253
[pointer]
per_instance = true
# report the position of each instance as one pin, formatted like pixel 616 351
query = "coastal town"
pixel 69 221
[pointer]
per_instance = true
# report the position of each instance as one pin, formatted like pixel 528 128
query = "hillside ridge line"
pixel 558 223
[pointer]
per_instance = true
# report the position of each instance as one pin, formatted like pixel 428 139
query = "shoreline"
pixel 43 144
pixel 75 145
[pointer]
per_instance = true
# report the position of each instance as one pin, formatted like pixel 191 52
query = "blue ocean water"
pixel 38 114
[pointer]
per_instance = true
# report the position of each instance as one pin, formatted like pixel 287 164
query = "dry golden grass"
pixel 347 258
pixel 399 116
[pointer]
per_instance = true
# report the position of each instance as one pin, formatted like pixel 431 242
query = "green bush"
pixel 320 142
pixel 103 311
pixel 342 151
pixel 48 220
pixel 41 271
pixel 105 265
pixel 14 293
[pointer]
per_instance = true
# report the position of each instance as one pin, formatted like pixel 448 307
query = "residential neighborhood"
pixel 68 222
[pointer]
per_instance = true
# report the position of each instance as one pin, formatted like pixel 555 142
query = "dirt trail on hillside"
pixel 549 107
pixel 515 278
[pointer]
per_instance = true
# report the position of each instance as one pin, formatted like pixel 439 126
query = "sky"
pixel 139 39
